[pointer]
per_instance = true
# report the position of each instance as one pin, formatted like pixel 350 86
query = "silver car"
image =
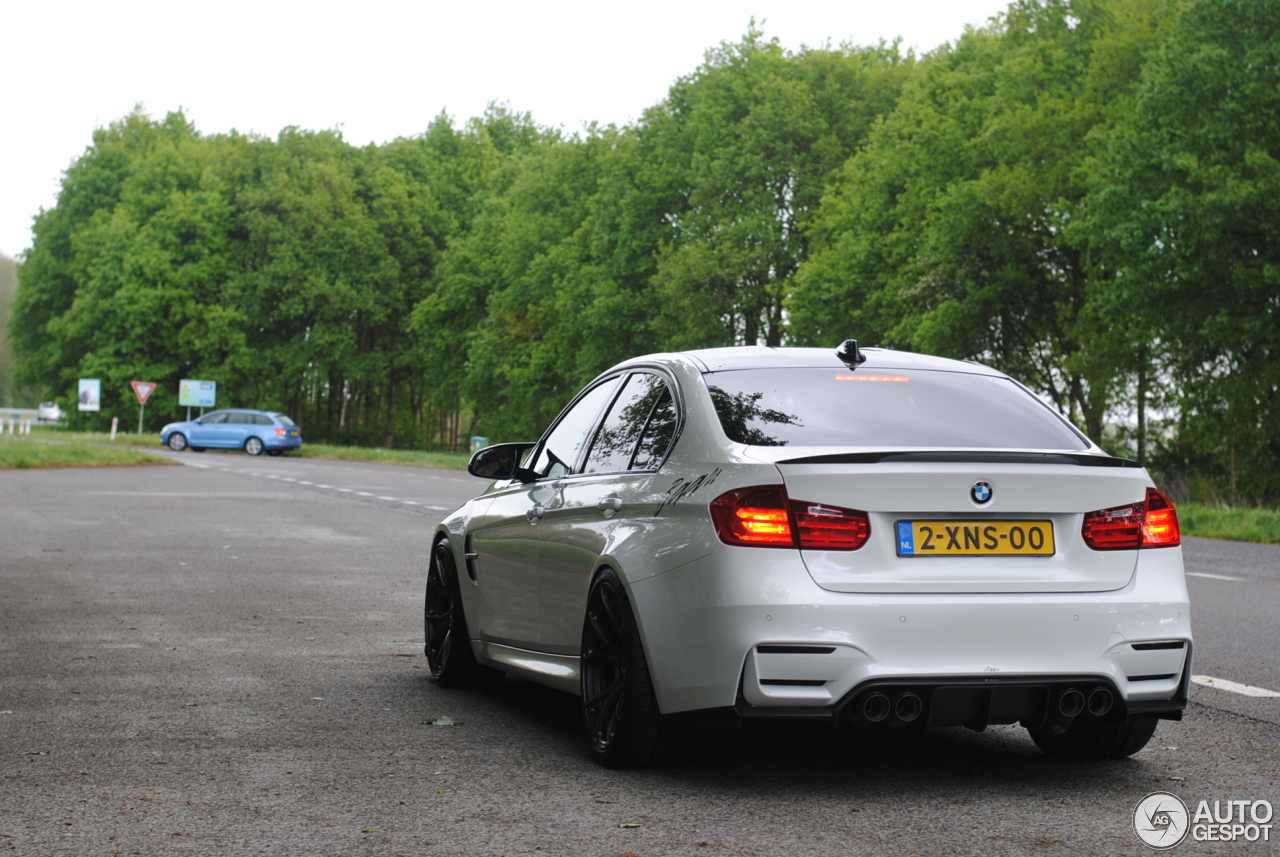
pixel 867 537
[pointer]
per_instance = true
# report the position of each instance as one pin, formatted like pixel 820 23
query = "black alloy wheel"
pixel 1096 737
pixel 444 626
pixel 619 707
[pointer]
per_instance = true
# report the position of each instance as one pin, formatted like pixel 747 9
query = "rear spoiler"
pixel 1067 458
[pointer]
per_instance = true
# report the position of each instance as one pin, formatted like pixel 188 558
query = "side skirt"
pixel 557 671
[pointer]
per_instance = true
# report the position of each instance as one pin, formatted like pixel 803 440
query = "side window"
pixel 240 419
pixel 616 440
pixel 658 434
pixel 213 420
pixel 560 451
pixel 262 420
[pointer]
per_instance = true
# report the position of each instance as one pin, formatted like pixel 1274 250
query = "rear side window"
pixel 285 421
pixel 262 420
pixel 240 419
pixel 658 434
pixel 885 408
pixel 627 419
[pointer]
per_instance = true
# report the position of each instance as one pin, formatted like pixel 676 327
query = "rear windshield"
pixel 885 408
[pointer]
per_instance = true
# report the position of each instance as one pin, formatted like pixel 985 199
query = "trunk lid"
pixel 935 488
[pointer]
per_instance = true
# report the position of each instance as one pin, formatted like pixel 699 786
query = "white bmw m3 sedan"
pixel 871 538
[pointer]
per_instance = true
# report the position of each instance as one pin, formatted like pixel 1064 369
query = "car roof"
pixel 764 357
pixel 245 411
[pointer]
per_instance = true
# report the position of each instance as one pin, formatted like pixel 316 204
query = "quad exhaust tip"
pixel 1100 701
pixel 875 707
pixel 1071 703
pixel 908 707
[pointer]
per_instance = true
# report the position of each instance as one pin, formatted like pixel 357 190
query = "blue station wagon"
pixel 255 432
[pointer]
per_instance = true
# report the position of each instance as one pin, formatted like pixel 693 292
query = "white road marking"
pixel 342 490
pixel 1234 687
pixel 1211 576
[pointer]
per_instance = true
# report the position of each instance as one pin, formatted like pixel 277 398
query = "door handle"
pixel 535 513
pixel 610 505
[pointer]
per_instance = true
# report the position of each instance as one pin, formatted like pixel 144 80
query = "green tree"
pixel 9 394
pixel 1186 207
pixel 125 278
pixel 949 233
pixel 744 146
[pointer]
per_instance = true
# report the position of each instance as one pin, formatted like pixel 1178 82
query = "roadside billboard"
pixel 90 397
pixel 197 394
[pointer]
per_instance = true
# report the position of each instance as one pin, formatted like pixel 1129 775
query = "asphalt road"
pixel 226 659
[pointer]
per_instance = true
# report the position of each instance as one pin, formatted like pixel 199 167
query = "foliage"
pixel 411 457
pixel 1083 193
pixel 948 233
pixel 1227 522
pixel 18 453
pixel 9 396
pixel 1186 208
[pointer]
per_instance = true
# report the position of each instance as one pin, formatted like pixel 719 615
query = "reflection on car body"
pixel 874 539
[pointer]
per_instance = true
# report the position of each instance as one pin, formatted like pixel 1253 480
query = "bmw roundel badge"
pixel 980 492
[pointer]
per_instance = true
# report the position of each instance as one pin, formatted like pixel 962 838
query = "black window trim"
pixel 591 432
pixel 677 398
pixel 635 447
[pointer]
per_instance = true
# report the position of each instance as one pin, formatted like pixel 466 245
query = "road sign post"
pixel 143 390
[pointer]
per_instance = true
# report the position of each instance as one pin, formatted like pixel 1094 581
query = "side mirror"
pixel 500 461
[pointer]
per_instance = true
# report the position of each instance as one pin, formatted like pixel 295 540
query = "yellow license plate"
pixel 975 538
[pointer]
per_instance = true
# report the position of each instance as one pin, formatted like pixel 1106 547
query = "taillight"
pixel 1152 523
pixel 756 517
pixel 830 528
pixel 281 432
pixel 766 517
pixel 1160 527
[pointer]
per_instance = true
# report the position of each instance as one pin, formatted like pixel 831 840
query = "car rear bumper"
pixel 749 627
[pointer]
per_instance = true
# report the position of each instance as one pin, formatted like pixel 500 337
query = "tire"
pixel 444 627
pixel 177 441
pixel 619 708
pixel 254 446
pixel 1090 738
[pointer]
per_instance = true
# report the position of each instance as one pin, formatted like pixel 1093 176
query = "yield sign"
pixel 143 390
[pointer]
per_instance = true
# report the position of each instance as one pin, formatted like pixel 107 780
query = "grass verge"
pixel 19 453
pixel 1226 522
pixel 447 460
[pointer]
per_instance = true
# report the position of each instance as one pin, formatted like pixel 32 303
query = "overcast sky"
pixel 379 69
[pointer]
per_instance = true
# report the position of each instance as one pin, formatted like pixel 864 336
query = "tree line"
pixel 1083 193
